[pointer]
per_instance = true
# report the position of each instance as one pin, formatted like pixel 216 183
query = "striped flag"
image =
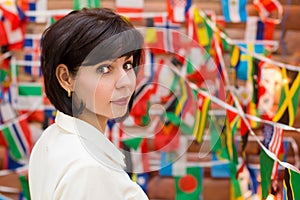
pixel 273 140
pixel 23 178
pixel 34 5
pixel 115 133
pixel 177 9
pixel 32 54
pixel 234 10
pixel 129 6
pixel 30 96
pixel 79 4
pixel 288 103
pixel 197 28
pixel 256 29
pixel 291 184
pixel 203 105
pixel 18 138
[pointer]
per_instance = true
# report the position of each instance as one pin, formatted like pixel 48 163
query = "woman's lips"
pixel 121 101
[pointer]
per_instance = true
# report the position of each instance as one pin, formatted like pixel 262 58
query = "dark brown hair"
pixel 82 38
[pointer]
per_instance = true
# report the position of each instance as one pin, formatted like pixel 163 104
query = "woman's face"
pixel 106 88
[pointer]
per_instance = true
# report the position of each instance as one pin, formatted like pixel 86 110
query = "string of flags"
pixel 187 107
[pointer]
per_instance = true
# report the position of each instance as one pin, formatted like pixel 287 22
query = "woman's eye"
pixel 104 69
pixel 128 66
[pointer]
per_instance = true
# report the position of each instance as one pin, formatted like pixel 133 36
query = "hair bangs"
pixel 125 43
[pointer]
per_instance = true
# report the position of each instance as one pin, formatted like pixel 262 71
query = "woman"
pixel 89 62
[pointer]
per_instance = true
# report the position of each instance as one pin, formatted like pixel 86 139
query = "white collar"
pixel 96 144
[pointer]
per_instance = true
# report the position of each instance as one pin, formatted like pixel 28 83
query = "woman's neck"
pixel 98 121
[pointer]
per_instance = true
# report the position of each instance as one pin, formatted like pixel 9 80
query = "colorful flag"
pixel 190 185
pixel 18 138
pixel 266 165
pixel 23 178
pixel 291 184
pixel 139 159
pixel 234 10
pixel 32 54
pixel 34 5
pixel 167 37
pixel 266 7
pixel 30 96
pixel 129 6
pixel 79 4
pixel 203 105
pixel 166 137
pixel 273 140
pixel 256 29
pixel 289 96
pixel 174 163
pixel 114 132
pixel 12 20
pixel 177 9
pixel 141 179
pixel 245 68
pixel 197 28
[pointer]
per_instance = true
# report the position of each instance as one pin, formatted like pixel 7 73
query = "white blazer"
pixel 72 160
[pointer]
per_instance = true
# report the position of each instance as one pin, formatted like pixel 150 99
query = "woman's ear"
pixel 64 77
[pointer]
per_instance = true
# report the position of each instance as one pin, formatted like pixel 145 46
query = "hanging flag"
pixel 18 138
pixel 266 165
pixel 203 105
pixel 174 163
pixel 138 154
pixel 234 10
pixel 197 27
pixel 142 179
pixel 177 9
pixel 256 29
pixel 235 56
pixel 13 22
pixel 114 132
pixel 23 178
pixel 266 7
pixel 166 137
pixel 55 18
pixel 190 185
pixel 129 6
pixel 34 5
pixel 167 37
pixel 273 140
pixel 79 4
pixel 289 96
pixel 3 36
pixel 291 184
pixel 32 54
pixel 30 96
pixel 185 107
pixel 245 68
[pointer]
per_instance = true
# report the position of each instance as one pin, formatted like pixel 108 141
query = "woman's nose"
pixel 125 78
